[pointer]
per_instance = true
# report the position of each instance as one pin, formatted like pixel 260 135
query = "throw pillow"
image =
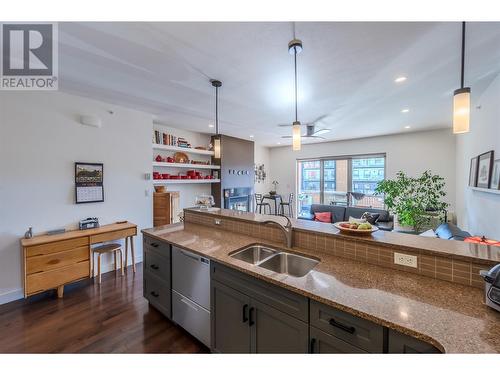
pixel 370 217
pixel 429 233
pixel 324 217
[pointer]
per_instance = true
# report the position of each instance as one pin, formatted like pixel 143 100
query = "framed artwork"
pixel 484 167
pixel 473 172
pixel 495 176
pixel 89 187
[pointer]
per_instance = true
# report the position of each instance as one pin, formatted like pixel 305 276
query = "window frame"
pixel 322 160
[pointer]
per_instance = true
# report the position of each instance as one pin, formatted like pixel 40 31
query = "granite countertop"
pixel 455 249
pixel 450 316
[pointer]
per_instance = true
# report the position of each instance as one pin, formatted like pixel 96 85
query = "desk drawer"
pixel 52 261
pixel 55 247
pixel 116 235
pixel 41 281
pixel 358 332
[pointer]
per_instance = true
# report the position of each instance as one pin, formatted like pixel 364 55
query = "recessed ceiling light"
pixel 407 127
pixel 210 125
pixel 278 143
pixel 400 79
pixel 405 110
pixel 251 135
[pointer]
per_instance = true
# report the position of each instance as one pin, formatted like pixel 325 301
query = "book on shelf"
pixel 161 138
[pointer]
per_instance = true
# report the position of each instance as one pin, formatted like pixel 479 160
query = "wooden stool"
pixel 104 249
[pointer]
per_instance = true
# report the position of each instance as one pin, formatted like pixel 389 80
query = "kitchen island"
pixel 445 314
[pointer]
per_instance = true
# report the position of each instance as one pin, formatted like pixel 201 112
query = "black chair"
pixel 259 203
pixel 287 204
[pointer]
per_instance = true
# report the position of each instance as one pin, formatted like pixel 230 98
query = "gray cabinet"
pixel 157 286
pixel 403 344
pixel 323 343
pixel 230 320
pixel 243 323
pixel 357 332
pixel 276 332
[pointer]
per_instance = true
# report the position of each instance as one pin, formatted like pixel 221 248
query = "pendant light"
pixel 461 98
pixel 217 150
pixel 294 48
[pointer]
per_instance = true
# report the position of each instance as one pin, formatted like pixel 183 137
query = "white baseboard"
pixel 15 294
pixel 11 295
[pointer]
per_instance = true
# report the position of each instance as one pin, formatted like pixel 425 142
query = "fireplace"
pixel 237 199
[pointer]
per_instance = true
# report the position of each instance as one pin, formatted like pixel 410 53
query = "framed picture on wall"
pixel 484 167
pixel 89 187
pixel 495 176
pixel 473 172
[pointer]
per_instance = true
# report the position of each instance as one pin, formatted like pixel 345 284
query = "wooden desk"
pixel 50 262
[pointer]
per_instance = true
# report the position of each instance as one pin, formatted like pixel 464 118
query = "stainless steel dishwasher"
pixel 191 293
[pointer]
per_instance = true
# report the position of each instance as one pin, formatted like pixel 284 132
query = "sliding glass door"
pixel 340 181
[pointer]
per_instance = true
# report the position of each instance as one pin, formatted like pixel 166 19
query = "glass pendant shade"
pixel 461 110
pixel 296 137
pixel 217 148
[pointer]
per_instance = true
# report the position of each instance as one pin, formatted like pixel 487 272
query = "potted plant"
pixel 275 184
pixel 414 200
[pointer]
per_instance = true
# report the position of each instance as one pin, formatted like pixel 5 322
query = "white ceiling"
pixel 346 71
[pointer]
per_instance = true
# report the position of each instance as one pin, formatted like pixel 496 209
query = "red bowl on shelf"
pixel 184 177
pixel 165 176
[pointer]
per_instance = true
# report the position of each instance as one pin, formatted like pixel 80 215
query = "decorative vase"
pixel 29 233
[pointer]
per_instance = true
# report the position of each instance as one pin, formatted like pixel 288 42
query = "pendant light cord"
pixel 217 110
pixel 463 56
pixel 295 63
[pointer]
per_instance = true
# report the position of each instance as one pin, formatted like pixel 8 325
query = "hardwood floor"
pixel 110 318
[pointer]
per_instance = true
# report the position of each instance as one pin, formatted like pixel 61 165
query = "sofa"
pixel 341 213
pixel 449 231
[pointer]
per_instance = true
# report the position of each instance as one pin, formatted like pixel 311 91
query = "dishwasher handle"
pixel 189 255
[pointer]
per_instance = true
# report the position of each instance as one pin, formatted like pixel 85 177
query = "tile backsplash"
pixel 435 266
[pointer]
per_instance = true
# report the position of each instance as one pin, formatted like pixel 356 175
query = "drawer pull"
pixel 313 344
pixel 251 322
pixel 154 244
pixel 245 311
pixel 155 267
pixel 155 294
pixel 343 327
pixel 189 304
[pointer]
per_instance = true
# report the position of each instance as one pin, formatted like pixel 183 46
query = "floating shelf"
pixel 168 182
pixel 182 149
pixel 483 190
pixel 182 165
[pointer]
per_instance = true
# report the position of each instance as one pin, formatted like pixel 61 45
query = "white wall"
pixel 478 212
pixel 262 156
pixel 40 140
pixel 187 193
pixel 412 152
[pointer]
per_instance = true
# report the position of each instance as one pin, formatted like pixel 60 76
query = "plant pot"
pixel 402 228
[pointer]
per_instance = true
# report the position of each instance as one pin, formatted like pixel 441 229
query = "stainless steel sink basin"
pixel 291 264
pixel 254 254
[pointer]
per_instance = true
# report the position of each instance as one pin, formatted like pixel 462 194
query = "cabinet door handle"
pixel 343 327
pixel 154 244
pixel 245 310
pixel 155 267
pixel 251 322
pixel 155 294
pixel 313 344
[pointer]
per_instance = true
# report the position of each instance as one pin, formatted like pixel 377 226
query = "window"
pixel 328 181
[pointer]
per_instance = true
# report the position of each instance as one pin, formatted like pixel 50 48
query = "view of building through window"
pixel 330 181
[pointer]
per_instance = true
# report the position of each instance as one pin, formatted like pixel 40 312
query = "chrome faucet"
pixel 287 229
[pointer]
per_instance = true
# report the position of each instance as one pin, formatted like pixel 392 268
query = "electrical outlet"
pixel 217 222
pixel 405 260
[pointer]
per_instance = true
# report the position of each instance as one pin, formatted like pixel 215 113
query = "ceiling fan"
pixel 311 131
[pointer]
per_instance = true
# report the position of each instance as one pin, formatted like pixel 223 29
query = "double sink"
pixel 276 260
